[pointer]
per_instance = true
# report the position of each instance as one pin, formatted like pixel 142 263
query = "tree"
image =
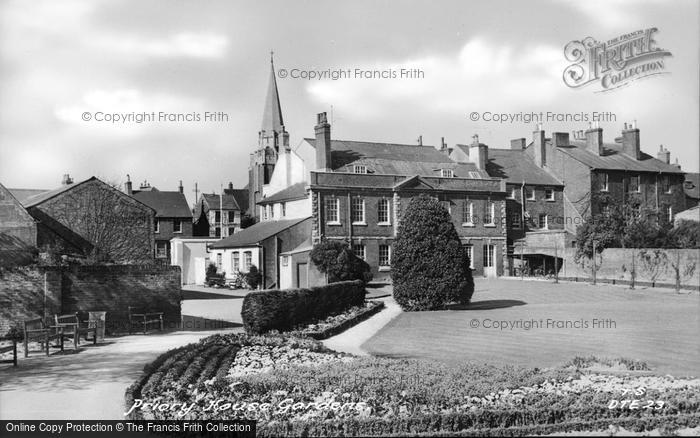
pixel 247 220
pixel 253 277
pixel 335 259
pixel 429 267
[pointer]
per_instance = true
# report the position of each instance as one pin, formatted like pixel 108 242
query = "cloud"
pixel 185 44
pixel 480 76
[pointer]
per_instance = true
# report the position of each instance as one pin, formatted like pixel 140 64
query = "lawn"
pixel 659 327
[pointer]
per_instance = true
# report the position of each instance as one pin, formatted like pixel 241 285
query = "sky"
pixel 60 59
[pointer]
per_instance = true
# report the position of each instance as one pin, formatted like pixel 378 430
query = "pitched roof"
pixel 692 185
pixel 295 191
pixel 272 114
pixel 515 166
pixel 396 159
pixel 255 234
pixel 22 194
pixel 214 201
pixel 45 196
pixel 241 196
pixel 166 204
pixel 614 159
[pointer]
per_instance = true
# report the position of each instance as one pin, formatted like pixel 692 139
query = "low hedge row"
pixel 283 310
pixel 374 308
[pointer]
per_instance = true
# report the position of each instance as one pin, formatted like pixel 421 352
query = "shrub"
pixel 253 277
pixel 429 267
pixel 335 259
pixel 686 234
pixel 283 310
pixel 213 278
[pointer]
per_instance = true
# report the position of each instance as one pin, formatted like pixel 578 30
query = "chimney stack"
pixel 538 143
pixel 630 141
pixel 664 155
pixel 676 165
pixel 128 189
pixel 560 139
pixel 67 180
pixel 180 188
pixel 323 143
pixel 478 153
pixel 517 144
pixel 420 140
pixel 230 185
pixel 594 140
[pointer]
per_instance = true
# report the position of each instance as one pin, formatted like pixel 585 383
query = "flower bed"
pixel 297 387
pixel 337 324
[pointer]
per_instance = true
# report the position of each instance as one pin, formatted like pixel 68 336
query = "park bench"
pixel 7 349
pixel 144 319
pixel 71 327
pixel 35 330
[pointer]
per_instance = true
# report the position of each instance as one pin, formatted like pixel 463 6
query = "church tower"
pixel 273 139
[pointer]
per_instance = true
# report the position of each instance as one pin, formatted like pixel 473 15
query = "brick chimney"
pixel 560 139
pixel 323 143
pixel 517 144
pixel 478 153
pixel 128 188
pixel 630 141
pixel 663 155
pixel 180 188
pixel 67 180
pixel 538 143
pixel 594 140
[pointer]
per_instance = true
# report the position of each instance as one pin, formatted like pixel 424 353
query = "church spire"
pixel 272 115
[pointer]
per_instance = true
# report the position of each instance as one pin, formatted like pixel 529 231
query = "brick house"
pixel 220 215
pixel 173 215
pixel 93 218
pixel 360 190
pixel 597 174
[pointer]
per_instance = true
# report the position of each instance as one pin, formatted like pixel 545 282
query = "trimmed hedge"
pixel 283 310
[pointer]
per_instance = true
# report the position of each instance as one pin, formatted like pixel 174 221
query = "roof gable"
pixel 295 191
pixel 253 235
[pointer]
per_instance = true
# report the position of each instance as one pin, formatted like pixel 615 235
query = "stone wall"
pixel 37 291
pixel 616 264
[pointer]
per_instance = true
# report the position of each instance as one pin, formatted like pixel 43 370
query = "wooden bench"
pixel 143 319
pixel 72 328
pixel 13 349
pixel 35 330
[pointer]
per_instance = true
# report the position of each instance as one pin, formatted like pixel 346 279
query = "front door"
pixel 489 261
pixel 302 275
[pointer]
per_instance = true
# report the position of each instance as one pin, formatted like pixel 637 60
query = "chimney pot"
pixel 66 180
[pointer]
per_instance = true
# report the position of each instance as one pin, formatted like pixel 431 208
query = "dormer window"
pixel 447 173
pixel 359 168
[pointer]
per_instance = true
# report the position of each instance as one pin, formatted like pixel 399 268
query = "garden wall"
pixel 40 291
pixel 617 262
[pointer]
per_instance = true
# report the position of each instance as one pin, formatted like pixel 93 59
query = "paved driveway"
pixel 540 324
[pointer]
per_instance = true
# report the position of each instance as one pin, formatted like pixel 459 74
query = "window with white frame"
pixel 669 212
pixel 543 221
pixel 156 226
pixel 247 260
pixel 666 183
pixel 217 216
pixel 469 252
pixel 359 250
pixel 283 209
pixel 161 250
pixel 633 184
pixel 516 221
pixel 217 232
pixel 604 182
pixel 447 173
pixel 512 192
pixel 359 168
pixel 264 212
pixel 235 262
pixel 530 193
pixel 177 226
pixel 218 260
pixel 332 210
pixel 357 210
pixel 272 211
pixel 549 194
pixel 384 255
pixel 490 213
pixel 285 260
pixel 468 213
pixel 383 211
